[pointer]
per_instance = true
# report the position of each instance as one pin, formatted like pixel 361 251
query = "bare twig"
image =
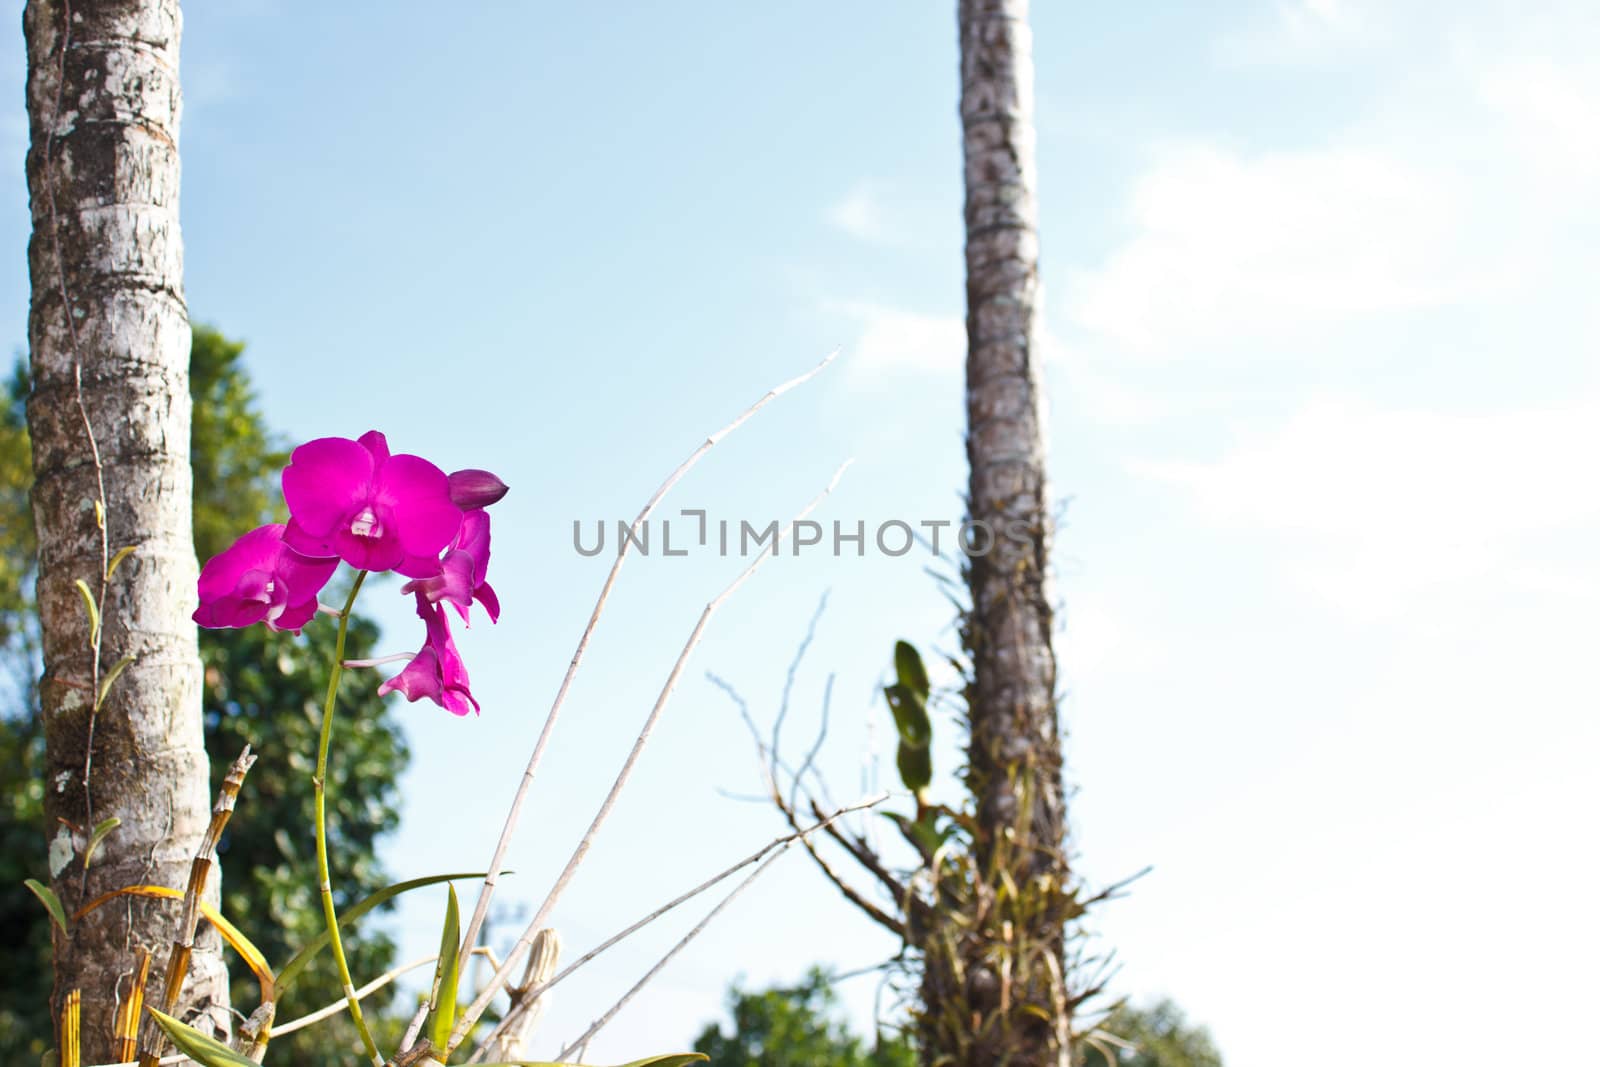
pixel 480 911
pixel 770 763
pixel 767 761
pixel 664 960
pixel 721 876
pixel 501 976
pixel 199 872
pixel 810 762
pixel 1114 891
pixel 330 1010
pixel 865 856
pixel 789 677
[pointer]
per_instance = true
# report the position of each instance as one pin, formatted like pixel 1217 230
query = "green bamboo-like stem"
pixel 320 785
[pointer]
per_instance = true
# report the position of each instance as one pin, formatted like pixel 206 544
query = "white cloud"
pixel 1554 114
pixel 1228 248
pixel 1374 505
pixel 891 341
pixel 861 214
pixel 1301 31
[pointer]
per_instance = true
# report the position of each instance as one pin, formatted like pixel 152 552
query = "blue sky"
pixel 1321 349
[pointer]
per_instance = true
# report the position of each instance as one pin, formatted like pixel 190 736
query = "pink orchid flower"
pixel 435 672
pixel 260 578
pixel 354 500
pixel 459 577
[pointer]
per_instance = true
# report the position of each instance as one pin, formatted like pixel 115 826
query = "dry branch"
pixel 502 975
pixel 199 872
pixel 480 911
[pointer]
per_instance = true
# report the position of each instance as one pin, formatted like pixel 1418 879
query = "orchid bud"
pixel 474 489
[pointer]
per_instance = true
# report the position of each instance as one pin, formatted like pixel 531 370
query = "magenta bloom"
pixel 459 577
pixel 260 578
pixel 435 672
pixel 352 499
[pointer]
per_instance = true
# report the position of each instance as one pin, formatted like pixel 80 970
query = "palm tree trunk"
pixel 106 263
pixel 1013 947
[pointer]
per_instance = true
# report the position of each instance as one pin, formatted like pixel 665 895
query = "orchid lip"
pixel 366 524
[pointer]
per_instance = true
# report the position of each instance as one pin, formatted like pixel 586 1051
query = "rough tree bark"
pixel 106 265
pixel 1012 946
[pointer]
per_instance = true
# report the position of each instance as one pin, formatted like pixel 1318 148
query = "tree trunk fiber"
pixel 106 265
pixel 1013 946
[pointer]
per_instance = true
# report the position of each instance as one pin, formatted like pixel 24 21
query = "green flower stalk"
pixel 320 790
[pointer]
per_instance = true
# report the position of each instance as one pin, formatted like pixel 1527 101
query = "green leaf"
pixel 90 606
pixel 51 902
pixel 197 1046
pixel 916 767
pixel 122 553
pixel 910 716
pixel 909 670
pixel 924 834
pixel 291 969
pixel 111 676
pixel 447 974
pixel 98 835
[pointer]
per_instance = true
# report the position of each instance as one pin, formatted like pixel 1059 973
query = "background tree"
pixel 270 889
pixel 1162 1038
pixel 795 1027
pixel 990 909
pixel 1004 965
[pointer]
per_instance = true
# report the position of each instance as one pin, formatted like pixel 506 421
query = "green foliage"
pixel 795 1027
pixel 908 703
pixel 446 974
pixel 1162 1036
pixel 236 459
pixel 25 1030
pixel 199 1047
pixel 260 687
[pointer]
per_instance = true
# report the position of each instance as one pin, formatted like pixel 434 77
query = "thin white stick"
pixel 754 857
pixel 361 994
pixel 664 960
pixel 480 911
pixel 503 975
pixel 398 657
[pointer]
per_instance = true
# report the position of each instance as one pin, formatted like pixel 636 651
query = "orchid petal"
pixel 420 567
pixel 377 444
pixel 412 499
pixel 295 616
pixel 419 679
pixel 474 540
pixel 491 603
pixel 326 481
pixel 254 551
pixel 380 553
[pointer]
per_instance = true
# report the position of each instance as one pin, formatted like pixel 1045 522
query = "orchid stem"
pixel 320 786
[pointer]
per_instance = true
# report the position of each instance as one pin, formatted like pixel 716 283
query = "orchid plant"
pixel 355 502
